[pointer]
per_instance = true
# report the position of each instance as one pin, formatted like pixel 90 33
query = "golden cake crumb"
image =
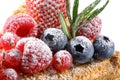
pixel 20 9
pixel 108 69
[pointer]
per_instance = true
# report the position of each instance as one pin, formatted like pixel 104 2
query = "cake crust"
pixel 108 69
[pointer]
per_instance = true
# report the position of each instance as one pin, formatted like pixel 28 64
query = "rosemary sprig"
pixel 64 25
pixel 93 14
pixel 75 10
pixel 85 13
pixel 68 11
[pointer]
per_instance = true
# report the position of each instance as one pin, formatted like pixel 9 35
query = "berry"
pixel 12 58
pixel 104 47
pixel 62 60
pixel 36 56
pixel 45 12
pixel 81 49
pixel 54 38
pixel 8 40
pixel 20 44
pixel 22 25
pixel 92 29
pixel 9 74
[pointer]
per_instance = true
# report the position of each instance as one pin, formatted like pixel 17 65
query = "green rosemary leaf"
pixel 64 25
pixel 75 9
pixel 68 11
pixel 85 13
pixel 94 13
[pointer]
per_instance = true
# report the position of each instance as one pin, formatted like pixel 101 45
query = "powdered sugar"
pixel 36 56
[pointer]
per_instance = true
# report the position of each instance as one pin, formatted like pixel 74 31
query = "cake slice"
pixel 108 69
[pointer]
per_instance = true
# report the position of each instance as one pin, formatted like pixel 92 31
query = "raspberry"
pixel 92 29
pixel 36 56
pixel 8 40
pixel 62 60
pixel 20 44
pixel 9 74
pixel 21 24
pixel 12 58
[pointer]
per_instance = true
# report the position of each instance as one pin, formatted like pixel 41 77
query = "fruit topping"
pixel 8 40
pixel 22 25
pixel 45 12
pixel 12 58
pixel 62 60
pixel 20 44
pixel 36 56
pixel 104 47
pixel 81 49
pixel 91 29
pixel 55 39
pixel 9 74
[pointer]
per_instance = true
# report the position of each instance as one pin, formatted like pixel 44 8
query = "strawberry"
pixel 45 12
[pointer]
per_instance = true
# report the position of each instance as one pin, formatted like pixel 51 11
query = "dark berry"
pixel 36 56
pixel 81 49
pixel 55 39
pixel 9 74
pixel 104 47
pixel 92 29
pixel 20 44
pixel 12 58
pixel 22 25
pixel 62 60
pixel 8 40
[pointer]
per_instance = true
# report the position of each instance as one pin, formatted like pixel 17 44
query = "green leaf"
pixel 68 11
pixel 85 13
pixel 75 9
pixel 94 13
pixel 64 25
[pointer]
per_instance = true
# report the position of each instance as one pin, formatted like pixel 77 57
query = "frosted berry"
pixel 92 29
pixel 36 56
pixel 81 49
pixel 55 39
pixel 9 74
pixel 20 44
pixel 8 40
pixel 104 47
pixel 22 25
pixel 45 12
pixel 62 60
pixel 12 58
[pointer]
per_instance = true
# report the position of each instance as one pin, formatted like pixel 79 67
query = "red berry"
pixel 36 56
pixel 20 44
pixel 1 56
pixel 92 29
pixel 21 24
pixel 8 40
pixel 9 74
pixel 12 58
pixel 45 12
pixel 62 60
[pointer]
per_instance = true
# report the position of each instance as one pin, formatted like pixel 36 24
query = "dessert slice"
pixel 108 69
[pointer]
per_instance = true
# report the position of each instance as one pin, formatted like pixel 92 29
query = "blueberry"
pixel 104 47
pixel 55 39
pixel 81 49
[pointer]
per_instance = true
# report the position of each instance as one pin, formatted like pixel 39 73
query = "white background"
pixel 110 16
